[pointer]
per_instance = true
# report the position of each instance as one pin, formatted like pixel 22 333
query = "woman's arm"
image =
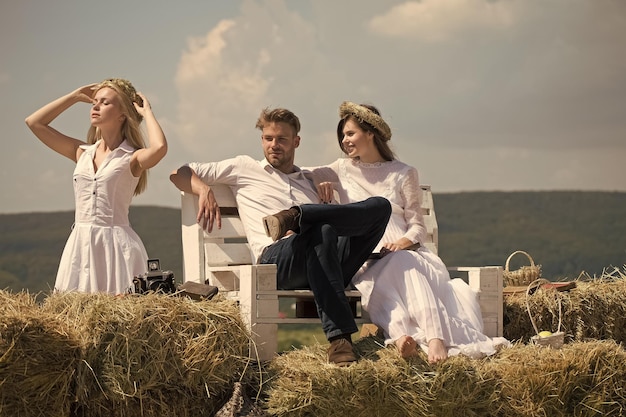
pixel 148 157
pixel 412 205
pixel 39 122
pixel 412 195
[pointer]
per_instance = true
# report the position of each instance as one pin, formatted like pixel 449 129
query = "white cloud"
pixel 268 56
pixel 440 20
pixel 503 76
pixel 213 88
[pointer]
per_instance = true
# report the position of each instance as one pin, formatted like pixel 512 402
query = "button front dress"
pixel 103 253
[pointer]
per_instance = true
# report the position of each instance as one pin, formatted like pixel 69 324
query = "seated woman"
pixel 408 293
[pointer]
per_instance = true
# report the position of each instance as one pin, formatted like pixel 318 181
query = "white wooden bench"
pixel 223 258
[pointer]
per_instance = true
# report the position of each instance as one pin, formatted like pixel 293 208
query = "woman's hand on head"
pixel 86 93
pixel 145 105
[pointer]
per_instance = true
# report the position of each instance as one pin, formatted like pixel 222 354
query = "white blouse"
pixel 398 182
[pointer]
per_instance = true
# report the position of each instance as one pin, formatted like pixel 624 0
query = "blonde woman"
pixel 103 253
pixel 408 292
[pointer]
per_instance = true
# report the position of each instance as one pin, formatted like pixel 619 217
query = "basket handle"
pixel 536 284
pixel 506 265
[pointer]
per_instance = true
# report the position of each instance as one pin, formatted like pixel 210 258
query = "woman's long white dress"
pixel 103 253
pixel 409 292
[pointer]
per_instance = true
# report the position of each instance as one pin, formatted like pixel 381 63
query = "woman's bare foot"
pixel 437 351
pixel 407 346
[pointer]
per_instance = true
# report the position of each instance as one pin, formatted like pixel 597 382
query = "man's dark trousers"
pixel 332 244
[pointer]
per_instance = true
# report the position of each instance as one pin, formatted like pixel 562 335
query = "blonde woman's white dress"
pixel 103 253
pixel 409 292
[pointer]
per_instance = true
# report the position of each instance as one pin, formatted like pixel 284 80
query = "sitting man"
pixel 315 246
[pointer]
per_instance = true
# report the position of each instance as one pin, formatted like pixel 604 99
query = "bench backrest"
pixel 204 253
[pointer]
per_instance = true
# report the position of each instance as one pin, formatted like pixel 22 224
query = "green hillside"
pixel 565 232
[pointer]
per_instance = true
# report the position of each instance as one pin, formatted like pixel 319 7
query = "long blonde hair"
pixel 131 130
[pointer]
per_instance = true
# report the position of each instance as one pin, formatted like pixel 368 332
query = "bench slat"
pixel 224 254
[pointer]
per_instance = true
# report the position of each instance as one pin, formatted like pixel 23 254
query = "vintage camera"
pixel 155 279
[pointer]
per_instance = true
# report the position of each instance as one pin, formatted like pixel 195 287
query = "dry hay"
pixel 16 302
pixel 582 379
pixel 153 355
pixel 98 355
pixel 38 359
pixel 594 309
pixel 381 383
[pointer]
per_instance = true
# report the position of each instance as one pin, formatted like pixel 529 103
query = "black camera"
pixel 155 279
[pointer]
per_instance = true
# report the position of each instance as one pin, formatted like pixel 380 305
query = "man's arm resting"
pixel 185 179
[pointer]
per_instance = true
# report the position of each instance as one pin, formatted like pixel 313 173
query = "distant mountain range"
pixel 566 232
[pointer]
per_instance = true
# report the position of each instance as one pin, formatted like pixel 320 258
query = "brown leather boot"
pixel 341 352
pixel 277 225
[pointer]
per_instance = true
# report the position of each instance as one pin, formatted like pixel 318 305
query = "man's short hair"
pixel 278 115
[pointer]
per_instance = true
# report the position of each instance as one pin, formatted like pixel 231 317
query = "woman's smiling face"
pixel 356 141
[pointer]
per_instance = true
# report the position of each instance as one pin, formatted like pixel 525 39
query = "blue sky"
pixel 480 95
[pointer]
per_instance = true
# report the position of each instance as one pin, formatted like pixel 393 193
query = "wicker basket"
pixel 523 276
pixel 555 340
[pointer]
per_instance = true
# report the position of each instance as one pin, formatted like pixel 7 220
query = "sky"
pixel 481 95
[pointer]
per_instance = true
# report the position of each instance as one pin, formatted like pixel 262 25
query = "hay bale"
pixel 153 355
pixel 594 309
pixel 582 378
pixel 38 358
pixel 380 384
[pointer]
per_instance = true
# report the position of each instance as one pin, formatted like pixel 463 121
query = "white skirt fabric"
pixel 411 293
pixel 101 259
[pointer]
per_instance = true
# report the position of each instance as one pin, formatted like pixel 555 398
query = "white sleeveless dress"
pixel 103 253
pixel 409 292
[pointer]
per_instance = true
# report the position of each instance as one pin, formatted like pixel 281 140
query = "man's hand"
pixel 208 210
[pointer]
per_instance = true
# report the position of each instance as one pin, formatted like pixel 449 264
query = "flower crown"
pixel 365 115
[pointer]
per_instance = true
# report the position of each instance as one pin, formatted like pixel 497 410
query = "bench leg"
pixel 264 336
pixel 487 282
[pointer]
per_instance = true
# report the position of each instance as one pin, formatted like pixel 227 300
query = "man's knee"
pixel 381 205
pixel 328 233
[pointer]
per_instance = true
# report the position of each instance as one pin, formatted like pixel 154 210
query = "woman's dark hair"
pixel 381 144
